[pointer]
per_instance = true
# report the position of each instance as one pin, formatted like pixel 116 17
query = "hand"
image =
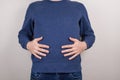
pixel 37 49
pixel 74 49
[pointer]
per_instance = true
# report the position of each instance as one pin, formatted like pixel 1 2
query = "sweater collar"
pixel 56 1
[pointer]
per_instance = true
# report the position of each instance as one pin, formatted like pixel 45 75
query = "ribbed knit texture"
pixel 56 21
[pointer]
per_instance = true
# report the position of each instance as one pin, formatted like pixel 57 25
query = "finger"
pixel 67 46
pixel 42 54
pixel 39 53
pixel 38 39
pixel 43 46
pixel 73 56
pixel 69 54
pixel 37 56
pixel 66 50
pixel 43 50
pixel 73 39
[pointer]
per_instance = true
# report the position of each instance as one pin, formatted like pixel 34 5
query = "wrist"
pixel 84 45
pixel 27 46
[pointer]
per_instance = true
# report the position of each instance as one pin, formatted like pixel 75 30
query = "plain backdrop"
pixel 101 62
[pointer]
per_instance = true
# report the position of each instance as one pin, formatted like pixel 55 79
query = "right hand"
pixel 37 49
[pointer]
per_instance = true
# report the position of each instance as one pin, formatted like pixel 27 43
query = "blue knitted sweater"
pixel 56 22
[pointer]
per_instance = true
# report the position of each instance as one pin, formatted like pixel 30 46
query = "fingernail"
pixel 41 37
pixel 70 37
pixel 69 59
pixel 40 58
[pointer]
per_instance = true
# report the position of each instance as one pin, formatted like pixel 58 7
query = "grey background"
pixel 101 62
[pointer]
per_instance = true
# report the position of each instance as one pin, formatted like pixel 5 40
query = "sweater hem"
pixel 56 67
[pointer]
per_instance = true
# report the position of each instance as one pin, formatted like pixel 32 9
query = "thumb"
pixel 39 39
pixel 72 39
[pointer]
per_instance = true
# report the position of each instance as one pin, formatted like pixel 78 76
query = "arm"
pixel 26 33
pixel 25 37
pixel 86 31
pixel 87 35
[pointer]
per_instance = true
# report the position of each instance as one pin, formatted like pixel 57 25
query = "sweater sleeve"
pixel 26 33
pixel 86 31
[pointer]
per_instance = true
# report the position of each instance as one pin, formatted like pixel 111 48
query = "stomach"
pixel 55 38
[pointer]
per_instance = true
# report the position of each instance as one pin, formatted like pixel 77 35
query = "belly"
pixel 55 38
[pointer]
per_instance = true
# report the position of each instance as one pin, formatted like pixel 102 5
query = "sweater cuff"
pixel 88 44
pixel 25 44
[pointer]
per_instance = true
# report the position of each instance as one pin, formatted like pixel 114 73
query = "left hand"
pixel 74 49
